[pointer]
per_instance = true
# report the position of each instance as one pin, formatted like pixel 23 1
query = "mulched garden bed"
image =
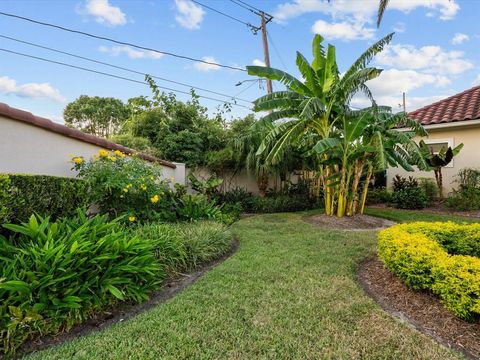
pixel 422 310
pixel 357 222
pixel 124 311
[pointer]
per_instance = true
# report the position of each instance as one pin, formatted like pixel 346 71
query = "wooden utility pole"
pixel 404 104
pixel 266 55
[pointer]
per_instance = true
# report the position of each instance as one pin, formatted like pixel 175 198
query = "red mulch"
pixel 357 222
pixel 421 309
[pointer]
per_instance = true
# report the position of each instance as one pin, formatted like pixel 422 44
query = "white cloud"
pixel 432 59
pixel 345 30
pixel 104 12
pixel 365 9
pixel 399 27
pixel 476 81
pixel 190 15
pixel 30 90
pixel 395 102
pixel 459 38
pixel 258 62
pixel 130 52
pixel 207 67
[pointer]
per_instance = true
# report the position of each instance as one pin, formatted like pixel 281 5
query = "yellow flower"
pixel 154 199
pixel 77 160
pixel 119 153
pixel 112 158
pixel 129 186
pixel 125 189
pixel 103 153
pixel 132 218
pixel 143 187
pixel 152 178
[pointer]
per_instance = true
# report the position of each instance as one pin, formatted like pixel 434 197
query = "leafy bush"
pixel 430 189
pixel 379 196
pixel 183 246
pixel 407 193
pixel 55 274
pixel 467 196
pixel 22 195
pixel 440 257
pixel 282 203
pixel 127 185
pixel 239 196
pixel 197 207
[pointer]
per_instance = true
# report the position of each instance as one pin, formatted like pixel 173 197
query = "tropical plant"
pixel 207 186
pixel 437 160
pixel 314 115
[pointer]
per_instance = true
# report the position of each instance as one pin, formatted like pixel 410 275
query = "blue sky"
pixel 434 53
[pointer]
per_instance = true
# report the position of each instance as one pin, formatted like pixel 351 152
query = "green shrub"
pixel 56 274
pixel 407 193
pixel 379 196
pixel 239 196
pixel 197 207
pixel 281 203
pixel 430 189
pixel 23 195
pixel 440 257
pixel 467 195
pixel 183 246
pixel 127 185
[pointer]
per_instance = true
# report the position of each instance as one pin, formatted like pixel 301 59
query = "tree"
pixel 100 116
pixel 437 161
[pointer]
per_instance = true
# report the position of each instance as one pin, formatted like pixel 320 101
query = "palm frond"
pixel 382 6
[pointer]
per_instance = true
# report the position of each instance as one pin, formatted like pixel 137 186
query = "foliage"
pixel 55 274
pixel 197 207
pixel 408 194
pixel 96 115
pixel 339 143
pixel 182 246
pixel 467 195
pixel 282 203
pixel 23 195
pixel 126 185
pixel 207 186
pixel 430 189
pixel 426 256
pixel 240 196
pixel 379 196
pixel 134 142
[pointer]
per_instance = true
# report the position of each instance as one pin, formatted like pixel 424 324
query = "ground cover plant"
pixel 290 291
pixel 440 257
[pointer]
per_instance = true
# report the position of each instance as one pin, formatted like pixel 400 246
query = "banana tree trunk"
pixel 365 189
pixel 342 193
pixel 353 202
pixel 439 178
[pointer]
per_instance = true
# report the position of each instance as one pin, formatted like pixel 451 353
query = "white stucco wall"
pixel 29 149
pixel 469 156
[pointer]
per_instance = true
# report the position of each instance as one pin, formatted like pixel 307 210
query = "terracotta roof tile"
pixel 460 107
pixel 29 118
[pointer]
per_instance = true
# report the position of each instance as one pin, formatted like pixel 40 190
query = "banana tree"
pixel 437 161
pixel 314 105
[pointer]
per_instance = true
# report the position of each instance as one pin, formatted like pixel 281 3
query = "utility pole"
pixel 266 55
pixel 404 104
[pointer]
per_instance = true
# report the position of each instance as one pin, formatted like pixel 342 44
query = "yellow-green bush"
pixel 439 257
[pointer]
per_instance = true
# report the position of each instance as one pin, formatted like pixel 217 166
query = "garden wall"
pixel 33 145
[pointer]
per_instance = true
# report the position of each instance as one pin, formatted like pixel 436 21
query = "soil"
pixel 357 222
pixel 124 311
pixel 421 310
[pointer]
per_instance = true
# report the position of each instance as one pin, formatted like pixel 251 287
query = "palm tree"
pixel 313 106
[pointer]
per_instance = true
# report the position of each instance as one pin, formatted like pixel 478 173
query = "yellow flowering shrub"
pixel 440 257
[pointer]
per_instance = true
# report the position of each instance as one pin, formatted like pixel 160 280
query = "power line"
pixel 243 6
pixel 254 29
pixel 276 51
pixel 115 76
pixel 118 41
pixel 120 67
pixel 251 7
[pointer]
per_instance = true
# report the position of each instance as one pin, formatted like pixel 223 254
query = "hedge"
pixel 438 257
pixel 23 195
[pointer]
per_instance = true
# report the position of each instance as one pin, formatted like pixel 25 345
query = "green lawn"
pixel 412 215
pixel 288 293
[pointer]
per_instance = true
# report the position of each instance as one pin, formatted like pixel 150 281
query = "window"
pixel 435 145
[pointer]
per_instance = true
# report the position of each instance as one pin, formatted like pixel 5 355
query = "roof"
pixel 46 124
pixel 460 107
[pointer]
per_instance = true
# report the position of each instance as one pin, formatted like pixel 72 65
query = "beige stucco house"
pixel 451 121
pixel 31 144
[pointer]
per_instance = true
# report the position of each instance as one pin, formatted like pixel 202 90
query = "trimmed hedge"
pixel 23 195
pixel 439 257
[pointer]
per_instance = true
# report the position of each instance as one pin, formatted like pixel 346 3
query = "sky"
pixel 433 54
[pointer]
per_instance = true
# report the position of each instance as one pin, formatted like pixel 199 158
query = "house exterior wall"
pixel 469 156
pixel 29 149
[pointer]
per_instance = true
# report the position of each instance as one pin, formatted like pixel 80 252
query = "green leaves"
pixel 274 74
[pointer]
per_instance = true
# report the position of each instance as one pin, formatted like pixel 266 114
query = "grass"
pixel 402 216
pixel 288 293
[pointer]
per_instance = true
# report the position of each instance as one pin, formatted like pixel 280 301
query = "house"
pixel 450 121
pixel 31 144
